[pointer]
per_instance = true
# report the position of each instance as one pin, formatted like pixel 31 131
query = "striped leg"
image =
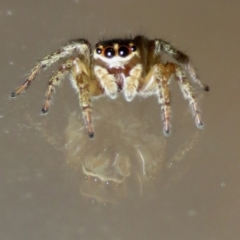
pixel 156 82
pixel 55 81
pixel 79 46
pixel 163 74
pixel 188 94
pixel 86 88
pixel 164 47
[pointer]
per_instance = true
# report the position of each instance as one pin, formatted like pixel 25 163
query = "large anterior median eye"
pixel 123 51
pixel 109 52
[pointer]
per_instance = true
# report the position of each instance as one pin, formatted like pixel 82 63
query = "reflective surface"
pixel 129 182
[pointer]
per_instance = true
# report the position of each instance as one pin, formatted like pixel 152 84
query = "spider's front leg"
pixel 162 46
pixel 80 46
pixel 86 88
pixel 156 82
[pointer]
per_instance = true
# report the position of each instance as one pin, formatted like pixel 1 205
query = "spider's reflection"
pixel 125 156
pixel 126 151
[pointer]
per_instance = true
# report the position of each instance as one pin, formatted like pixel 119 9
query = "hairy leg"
pixel 86 88
pixel 163 74
pixel 188 94
pixel 156 82
pixel 55 81
pixel 79 46
pixel 162 46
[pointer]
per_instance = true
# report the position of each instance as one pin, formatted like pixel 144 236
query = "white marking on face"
pixel 115 62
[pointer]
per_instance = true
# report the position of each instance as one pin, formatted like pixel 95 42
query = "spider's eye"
pixel 133 48
pixel 109 52
pixel 99 50
pixel 123 51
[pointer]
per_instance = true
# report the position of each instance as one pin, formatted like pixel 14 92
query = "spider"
pixel 132 66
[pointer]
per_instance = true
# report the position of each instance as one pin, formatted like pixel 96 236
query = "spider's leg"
pixel 55 81
pixel 86 88
pixel 156 82
pixel 164 47
pixel 27 82
pixel 163 74
pixel 188 94
pixel 80 46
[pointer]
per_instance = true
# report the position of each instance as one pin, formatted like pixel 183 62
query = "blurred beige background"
pixel 182 187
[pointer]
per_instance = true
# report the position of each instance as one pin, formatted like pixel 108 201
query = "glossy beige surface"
pixel 188 186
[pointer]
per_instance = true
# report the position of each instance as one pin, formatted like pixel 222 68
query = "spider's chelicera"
pixel 131 66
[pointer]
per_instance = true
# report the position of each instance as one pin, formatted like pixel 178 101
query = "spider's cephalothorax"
pixel 132 66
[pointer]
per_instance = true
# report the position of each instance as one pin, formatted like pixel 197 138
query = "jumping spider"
pixel 133 66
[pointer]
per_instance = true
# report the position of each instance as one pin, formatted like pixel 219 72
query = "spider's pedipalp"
pixel 131 82
pixel 81 47
pixel 107 81
pixel 188 95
